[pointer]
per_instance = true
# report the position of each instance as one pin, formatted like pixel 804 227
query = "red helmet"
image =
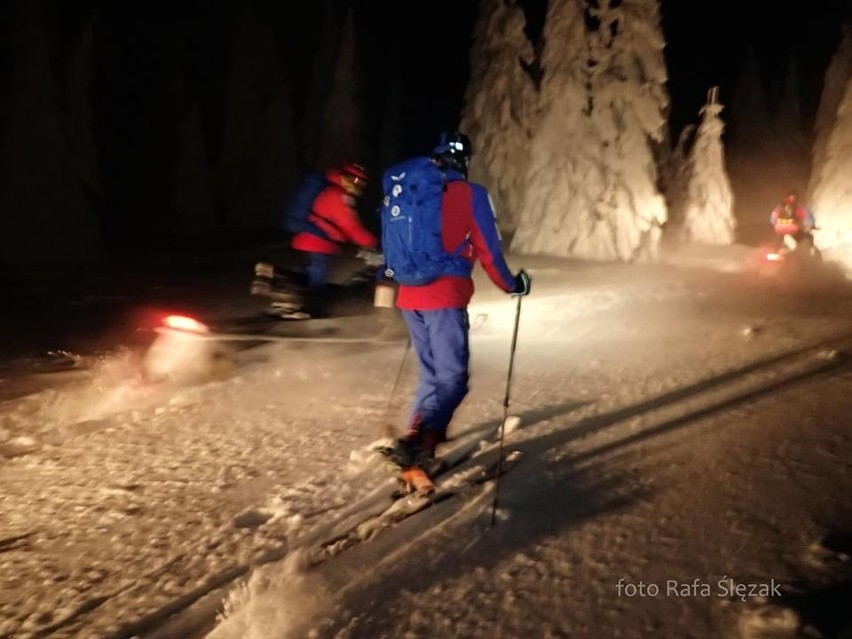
pixel 351 177
pixel 792 198
pixel 357 171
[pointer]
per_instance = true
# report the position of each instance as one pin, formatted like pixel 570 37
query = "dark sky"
pixel 427 45
pixel 702 50
pixel 423 44
pixel 710 48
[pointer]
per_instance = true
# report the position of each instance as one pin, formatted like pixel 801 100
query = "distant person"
pixel 330 220
pixel 791 219
pixel 436 311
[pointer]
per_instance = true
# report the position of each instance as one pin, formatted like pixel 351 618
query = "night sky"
pixel 424 45
pixel 427 45
pixel 703 50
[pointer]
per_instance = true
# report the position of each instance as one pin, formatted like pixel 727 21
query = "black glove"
pixel 523 283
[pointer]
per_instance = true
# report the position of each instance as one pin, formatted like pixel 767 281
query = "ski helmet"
pixel 352 177
pixel 453 151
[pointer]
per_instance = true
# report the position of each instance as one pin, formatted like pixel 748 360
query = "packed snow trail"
pixel 618 373
pixel 469 462
pixel 653 416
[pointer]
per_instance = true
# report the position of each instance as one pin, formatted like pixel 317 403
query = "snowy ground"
pixel 682 428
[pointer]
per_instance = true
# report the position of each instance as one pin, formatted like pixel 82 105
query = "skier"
pixel 791 219
pixel 332 221
pixel 436 312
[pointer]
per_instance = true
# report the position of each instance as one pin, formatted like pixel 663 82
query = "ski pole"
pixel 389 429
pixel 506 408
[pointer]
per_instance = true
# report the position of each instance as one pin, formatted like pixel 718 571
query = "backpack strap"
pixel 465 243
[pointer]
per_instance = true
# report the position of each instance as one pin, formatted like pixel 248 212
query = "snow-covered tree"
pixel 563 158
pixel 46 213
pixel 749 112
pixel 832 198
pixel 342 137
pixel 760 171
pixel 674 177
pixel 789 144
pixel 277 162
pixel 192 200
pixel 390 138
pixel 258 149
pixel 78 121
pixel 499 105
pixel 708 215
pixel 837 74
pixel 241 133
pixel 789 115
pixel 592 183
pixel 629 107
pixel 319 90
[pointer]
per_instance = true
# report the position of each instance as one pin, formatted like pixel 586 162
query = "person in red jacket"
pixel 436 313
pixel 791 218
pixel 335 222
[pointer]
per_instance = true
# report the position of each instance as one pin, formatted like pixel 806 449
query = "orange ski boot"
pixel 417 480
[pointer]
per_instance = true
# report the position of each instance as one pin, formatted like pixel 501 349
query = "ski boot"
pixel 286 311
pixel 414 456
pixel 416 480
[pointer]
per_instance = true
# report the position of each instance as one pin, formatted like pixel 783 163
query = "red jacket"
pixel 791 220
pixel 467 214
pixel 334 212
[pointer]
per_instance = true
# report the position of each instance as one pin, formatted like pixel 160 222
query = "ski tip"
pixel 383 444
pixel 512 423
pixel 514 456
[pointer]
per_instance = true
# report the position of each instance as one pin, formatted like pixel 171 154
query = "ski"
pixel 465 469
pixel 286 312
pixel 456 450
pixel 464 480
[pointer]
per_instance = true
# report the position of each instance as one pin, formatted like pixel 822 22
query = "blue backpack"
pixel 296 218
pixel 411 217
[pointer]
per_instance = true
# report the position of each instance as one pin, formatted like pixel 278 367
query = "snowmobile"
pixel 286 290
pixel 794 255
pixel 189 347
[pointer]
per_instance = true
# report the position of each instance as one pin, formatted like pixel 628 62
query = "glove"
pixel 371 257
pixel 523 283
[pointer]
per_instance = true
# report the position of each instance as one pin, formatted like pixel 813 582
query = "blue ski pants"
pixel 440 339
pixel 316 270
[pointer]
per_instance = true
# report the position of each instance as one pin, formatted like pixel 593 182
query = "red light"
pixel 184 323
